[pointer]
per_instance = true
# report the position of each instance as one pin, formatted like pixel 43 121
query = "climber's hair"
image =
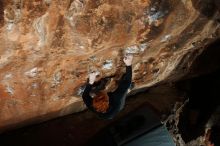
pixel 101 102
pixel 215 135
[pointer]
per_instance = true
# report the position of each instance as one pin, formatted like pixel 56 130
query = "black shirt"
pixel 116 98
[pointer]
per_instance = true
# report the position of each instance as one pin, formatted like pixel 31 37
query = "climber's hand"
pixel 92 77
pixel 128 59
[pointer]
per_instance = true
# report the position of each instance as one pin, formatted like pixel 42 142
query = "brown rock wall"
pixel 47 48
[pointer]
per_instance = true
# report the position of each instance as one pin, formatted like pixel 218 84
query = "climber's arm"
pixel 86 97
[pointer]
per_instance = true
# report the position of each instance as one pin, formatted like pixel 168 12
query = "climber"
pixel 107 105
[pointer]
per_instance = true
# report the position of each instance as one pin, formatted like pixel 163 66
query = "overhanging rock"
pixel 49 46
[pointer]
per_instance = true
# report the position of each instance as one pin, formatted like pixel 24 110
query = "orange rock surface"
pixel 47 48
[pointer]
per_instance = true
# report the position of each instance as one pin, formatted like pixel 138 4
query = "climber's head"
pixel 101 102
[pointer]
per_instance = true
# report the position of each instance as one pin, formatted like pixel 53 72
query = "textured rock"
pixel 49 46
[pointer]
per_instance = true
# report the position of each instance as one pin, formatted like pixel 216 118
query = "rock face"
pixel 47 48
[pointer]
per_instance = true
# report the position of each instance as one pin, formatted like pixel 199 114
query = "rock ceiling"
pixel 47 48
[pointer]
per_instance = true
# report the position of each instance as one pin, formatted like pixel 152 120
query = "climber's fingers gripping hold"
pixel 128 59
pixel 92 77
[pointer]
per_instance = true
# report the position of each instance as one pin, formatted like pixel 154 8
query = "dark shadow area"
pixel 203 91
pixel 204 96
pixel 217 4
pixel 206 7
pixel 128 129
pixel 207 62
